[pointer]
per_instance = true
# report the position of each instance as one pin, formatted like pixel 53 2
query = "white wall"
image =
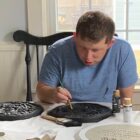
pixel 18 15
pixel 13 16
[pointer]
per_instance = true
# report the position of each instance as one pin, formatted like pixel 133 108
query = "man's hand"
pixel 62 95
pixel 52 94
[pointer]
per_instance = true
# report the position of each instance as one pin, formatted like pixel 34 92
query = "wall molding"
pixel 5 46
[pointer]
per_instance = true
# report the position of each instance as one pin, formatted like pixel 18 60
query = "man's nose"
pixel 89 54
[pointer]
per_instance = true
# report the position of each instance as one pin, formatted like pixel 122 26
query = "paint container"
pixel 127 110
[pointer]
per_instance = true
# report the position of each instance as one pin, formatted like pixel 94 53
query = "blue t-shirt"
pixel 89 83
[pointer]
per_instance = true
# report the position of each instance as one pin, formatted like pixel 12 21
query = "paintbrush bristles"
pixel 69 104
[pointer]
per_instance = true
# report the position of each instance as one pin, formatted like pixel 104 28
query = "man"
pixel 89 65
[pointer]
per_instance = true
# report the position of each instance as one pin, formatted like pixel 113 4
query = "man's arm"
pixel 52 94
pixel 126 92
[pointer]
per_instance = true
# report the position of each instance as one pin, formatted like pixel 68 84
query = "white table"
pixel 37 127
pixel 73 133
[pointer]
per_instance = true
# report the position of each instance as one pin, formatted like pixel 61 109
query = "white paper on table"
pixel 29 128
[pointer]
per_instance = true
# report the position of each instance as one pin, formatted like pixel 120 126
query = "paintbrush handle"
pixel 48 117
pixel 68 102
pixel 57 121
pixel 51 118
pixel 70 105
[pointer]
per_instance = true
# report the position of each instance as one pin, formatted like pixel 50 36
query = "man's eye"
pixel 95 50
pixel 83 48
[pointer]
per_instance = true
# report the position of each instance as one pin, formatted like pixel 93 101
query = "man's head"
pixel 95 26
pixel 94 35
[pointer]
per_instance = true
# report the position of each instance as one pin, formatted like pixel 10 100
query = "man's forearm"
pixel 126 93
pixel 46 93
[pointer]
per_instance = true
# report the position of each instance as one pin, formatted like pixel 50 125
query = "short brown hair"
pixel 95 25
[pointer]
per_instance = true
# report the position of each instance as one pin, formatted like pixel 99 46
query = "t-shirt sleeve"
pixel 127 74
pixel 50 70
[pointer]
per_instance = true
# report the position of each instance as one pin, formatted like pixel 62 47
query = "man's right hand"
pixel 52 94
pixel 62 95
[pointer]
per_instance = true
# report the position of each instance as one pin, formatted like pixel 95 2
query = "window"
pixel 125 13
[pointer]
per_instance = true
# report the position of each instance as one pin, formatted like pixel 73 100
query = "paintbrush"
pixel 66 122
pixel 69 104
pixel 68 101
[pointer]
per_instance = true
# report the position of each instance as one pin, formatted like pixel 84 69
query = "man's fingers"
pixel 62 96
pixel 64 92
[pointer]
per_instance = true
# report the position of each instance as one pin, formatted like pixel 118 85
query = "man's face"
pixel 91 53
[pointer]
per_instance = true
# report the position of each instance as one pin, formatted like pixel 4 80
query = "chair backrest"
pixel 32 40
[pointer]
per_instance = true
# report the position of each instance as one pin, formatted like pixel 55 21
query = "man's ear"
pixel 110 44
pixel 74 35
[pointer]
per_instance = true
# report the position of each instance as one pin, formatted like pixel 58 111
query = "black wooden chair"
pixel 31 40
